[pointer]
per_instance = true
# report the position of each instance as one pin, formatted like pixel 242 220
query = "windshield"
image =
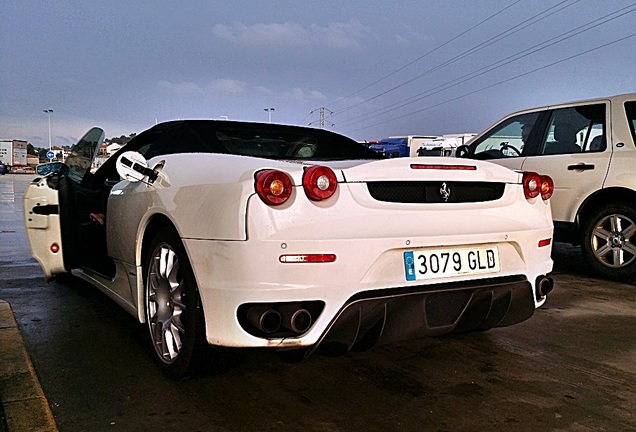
pixel 507 139
pixel 82 154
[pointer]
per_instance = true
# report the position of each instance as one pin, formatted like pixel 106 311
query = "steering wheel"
pixel 506 146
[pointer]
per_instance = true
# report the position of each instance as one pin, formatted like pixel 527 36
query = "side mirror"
pixel 132 166
pixel 462 151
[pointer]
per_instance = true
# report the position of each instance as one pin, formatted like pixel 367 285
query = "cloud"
pixel 412 35
pixel 234 87
pixel 341 35
pixel 291 34
pixel 298 94
pixel 227 86
pixel 263 90
pixel 218 86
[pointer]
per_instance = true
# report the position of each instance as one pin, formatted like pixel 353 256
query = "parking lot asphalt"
pixel 570 367
pixel 24 405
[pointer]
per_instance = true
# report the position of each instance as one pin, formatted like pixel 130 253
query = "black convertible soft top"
pixel 266 140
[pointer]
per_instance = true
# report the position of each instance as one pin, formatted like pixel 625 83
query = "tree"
pixel 123 139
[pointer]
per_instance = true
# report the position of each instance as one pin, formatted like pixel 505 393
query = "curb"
pixel 24 407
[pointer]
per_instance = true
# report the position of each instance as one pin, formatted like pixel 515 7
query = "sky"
pixel 375 68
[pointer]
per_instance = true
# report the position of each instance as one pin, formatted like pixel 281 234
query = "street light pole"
pixel 49 111
pixel 269 113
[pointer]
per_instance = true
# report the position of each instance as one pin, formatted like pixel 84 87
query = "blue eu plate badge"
pixel 409 266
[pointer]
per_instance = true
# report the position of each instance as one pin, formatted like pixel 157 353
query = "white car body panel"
pixel 44 228
pixel 573 187
pixel 235 258
pixel 234 241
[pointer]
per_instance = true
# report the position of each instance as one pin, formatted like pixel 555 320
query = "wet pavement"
pixel 571 367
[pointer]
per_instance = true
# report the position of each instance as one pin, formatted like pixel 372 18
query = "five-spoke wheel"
pixel 609 241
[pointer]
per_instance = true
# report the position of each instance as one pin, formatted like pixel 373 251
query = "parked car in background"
pixel 587 147
pixel 279 237
pixel 400 146
pixel 3 168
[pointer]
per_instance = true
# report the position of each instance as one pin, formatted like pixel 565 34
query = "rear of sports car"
pixel 350 254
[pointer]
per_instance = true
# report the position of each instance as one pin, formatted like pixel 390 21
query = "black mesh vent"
pixel 434 192
pixel 443 309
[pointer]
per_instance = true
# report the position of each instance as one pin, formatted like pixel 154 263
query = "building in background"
pixel 13 152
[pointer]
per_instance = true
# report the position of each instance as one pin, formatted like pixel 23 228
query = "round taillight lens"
pixel 273 187
pixel 531 184
pixel 319 183
pixel 547 187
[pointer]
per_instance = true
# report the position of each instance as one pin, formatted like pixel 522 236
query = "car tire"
pixel 174 315
pixel 609 241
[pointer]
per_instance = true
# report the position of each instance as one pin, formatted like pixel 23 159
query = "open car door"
pixel 53 206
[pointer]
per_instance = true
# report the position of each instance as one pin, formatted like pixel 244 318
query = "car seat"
pixel 565 140
pixel 597 144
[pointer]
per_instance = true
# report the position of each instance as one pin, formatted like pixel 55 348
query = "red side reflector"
pixel 309 258
pixel 545 242
pixel 445 167
pixel 55 248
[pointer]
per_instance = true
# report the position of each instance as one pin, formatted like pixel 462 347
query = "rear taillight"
pixel 531 184
pixel 319 182
pixel 273 187
pixel 547 187
pixel 535 185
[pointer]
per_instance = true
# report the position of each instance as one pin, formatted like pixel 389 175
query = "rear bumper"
pixel 369 239
pixel 362 292
pixel 370 318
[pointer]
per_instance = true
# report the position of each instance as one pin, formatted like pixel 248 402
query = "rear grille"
pixel 420 192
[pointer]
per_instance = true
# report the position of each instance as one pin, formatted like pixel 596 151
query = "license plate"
pixel 440 263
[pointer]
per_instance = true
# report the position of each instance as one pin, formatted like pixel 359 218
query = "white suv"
pixel 587 147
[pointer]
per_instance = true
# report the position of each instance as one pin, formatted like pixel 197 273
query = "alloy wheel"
pixel 611 241
pixel 165 303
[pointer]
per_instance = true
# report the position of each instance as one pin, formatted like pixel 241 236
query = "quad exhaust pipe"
pixel 295 319
pixel 269 320
pixel 544 285
pixel 264 318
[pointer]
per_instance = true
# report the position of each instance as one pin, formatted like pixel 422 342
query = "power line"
pixel 506 33
pixel 426 54
pixel 503 81
pixel 496 65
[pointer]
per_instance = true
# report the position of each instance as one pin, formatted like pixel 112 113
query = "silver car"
pixel 588 149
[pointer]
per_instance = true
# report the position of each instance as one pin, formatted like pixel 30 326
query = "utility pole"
pixel 321 122
pixel 269 113
pixel 49 111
